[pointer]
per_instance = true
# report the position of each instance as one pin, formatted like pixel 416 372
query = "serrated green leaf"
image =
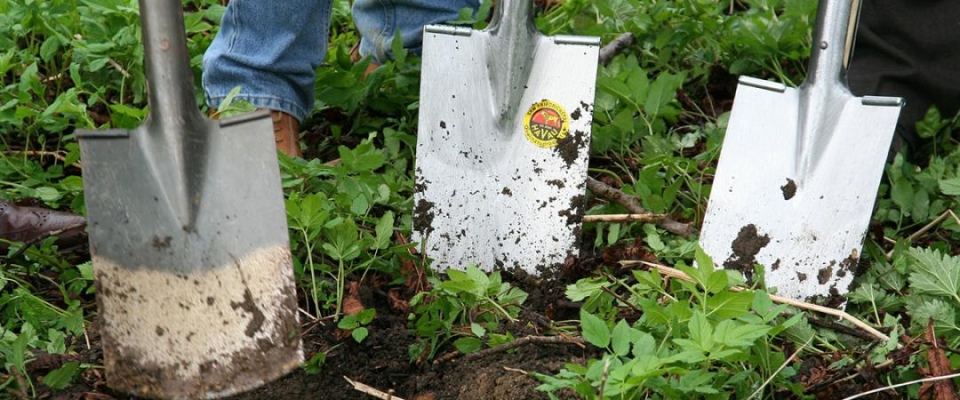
pixel 728 304
pixel 620 338
pixel 701 331
pixel 935 274
pixel 942 314
pixel 950 187
pixel 594 329
pixel 733 334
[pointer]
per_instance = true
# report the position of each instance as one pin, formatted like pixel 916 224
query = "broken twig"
pixel 615 46
pixel 648 217
pixel 371 390
pixel 631 203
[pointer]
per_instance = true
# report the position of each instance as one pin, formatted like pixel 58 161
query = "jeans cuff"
pixel 268 102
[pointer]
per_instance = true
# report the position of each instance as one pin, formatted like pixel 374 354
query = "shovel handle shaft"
pixel 169 77
pixel 510 15
pixel 832 41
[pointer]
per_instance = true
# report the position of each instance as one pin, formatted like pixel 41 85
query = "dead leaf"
pixel 352 305
pixel 939 366
pixel 397 303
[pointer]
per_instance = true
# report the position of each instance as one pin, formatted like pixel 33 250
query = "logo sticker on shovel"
pixel 546 123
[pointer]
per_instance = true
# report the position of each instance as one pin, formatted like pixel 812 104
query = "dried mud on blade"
pixel 799 170
pixel 188 238
pixel 503 143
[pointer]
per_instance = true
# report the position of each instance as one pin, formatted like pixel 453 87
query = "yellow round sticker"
pixel 546 123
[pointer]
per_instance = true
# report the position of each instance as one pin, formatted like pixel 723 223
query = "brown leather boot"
pixel 286 132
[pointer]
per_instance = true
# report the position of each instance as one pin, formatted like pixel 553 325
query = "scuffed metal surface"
pixel 203 333
pixel 814 218
pixel 486 193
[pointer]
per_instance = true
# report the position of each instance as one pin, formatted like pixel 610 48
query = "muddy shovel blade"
pixel 503 143
pixel 798 174
pixel 188 239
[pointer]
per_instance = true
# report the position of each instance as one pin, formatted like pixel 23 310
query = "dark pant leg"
pixel 911 49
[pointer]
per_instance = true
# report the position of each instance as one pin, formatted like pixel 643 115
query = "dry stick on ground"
pixel 675 273
pixel 648 217
pixel 371 390
pixel 925 229
pixel 523 342
pixel 631 203
pixel 615 47
pixel 824 323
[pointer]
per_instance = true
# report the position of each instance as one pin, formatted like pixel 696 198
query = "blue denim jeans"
pixel 271 49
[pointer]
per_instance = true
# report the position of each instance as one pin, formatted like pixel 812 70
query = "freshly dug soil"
pixel 382 360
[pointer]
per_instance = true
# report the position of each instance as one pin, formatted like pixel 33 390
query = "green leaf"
pixel 942 314
pixel 935 274
pixel 733 334
pixel 902 194
pixel 61 377
pixel 359 334
pixel 343 241
pixel 366 316
pixel 621 338
pixel 662 91
pixel 701 332
pixel 728 304
pixel 477 330
pixel 586 287
pixel 467 345
pixel 595 330
pixel 348 322
pixel 314 365
pixel 49 48
pixel 950 187
pixel 384 230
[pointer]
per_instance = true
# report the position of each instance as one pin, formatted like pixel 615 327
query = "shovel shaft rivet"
pixel 823 45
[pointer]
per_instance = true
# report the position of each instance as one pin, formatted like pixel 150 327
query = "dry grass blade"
pixel 890 387
pixel 631 203
pixel 925 229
